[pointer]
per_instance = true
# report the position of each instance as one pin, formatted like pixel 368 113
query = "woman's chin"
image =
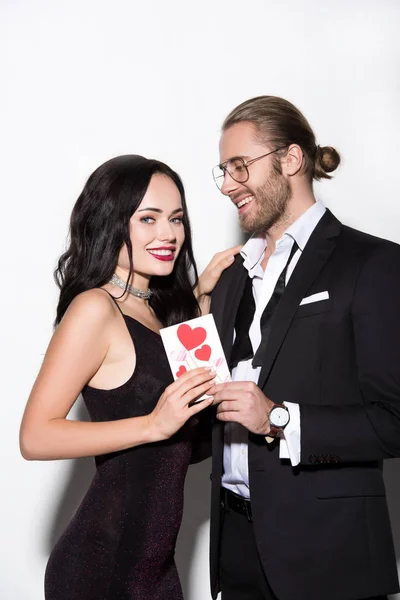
pixel 163 269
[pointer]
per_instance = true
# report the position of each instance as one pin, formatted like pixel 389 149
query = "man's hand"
pixel 243 402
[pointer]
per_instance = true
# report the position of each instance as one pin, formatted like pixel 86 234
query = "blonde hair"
pixel 280 123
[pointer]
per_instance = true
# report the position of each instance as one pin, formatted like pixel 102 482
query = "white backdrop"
pixel 86 80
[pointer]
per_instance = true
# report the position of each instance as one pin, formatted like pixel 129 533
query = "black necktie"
pixel 242 348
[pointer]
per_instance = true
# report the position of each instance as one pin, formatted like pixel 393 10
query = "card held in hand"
pixel 194 344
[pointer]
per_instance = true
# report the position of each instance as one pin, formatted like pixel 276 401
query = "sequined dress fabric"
pixel 120 543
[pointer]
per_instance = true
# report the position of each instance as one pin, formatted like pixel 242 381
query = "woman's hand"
pixel 211 274
pixel 175 405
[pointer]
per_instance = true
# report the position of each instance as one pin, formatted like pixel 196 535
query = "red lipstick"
pixel 163 253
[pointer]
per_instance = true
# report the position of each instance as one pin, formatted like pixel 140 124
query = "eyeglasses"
pixel 237 168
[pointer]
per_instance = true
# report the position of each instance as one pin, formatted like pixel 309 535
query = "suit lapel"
pixel 224 305
pixel 316 252
pixel 226 301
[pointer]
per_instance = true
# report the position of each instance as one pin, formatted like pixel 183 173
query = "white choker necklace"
pixel 115 280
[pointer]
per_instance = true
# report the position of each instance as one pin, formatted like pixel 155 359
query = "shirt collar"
pixel 300 231
pixel 253 251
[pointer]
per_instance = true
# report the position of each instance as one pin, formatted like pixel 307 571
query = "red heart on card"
pixel 181 371
pixel 191 338
pixel 203 353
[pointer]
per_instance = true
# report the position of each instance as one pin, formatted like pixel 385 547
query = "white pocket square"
pixel 315 298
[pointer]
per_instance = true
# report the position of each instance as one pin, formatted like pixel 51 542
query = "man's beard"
pixel 271 201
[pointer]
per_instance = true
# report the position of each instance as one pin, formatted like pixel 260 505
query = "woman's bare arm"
pixel 75 353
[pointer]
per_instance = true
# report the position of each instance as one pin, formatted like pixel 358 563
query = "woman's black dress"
pixel 120 543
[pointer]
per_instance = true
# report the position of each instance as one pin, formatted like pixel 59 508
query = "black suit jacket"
pixel 322 528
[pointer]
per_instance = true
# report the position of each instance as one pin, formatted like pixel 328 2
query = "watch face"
pixel 279 417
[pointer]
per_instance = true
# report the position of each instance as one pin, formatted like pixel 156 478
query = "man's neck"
pixel 297 206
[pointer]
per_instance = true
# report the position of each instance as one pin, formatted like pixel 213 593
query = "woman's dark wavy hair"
pixel 100 226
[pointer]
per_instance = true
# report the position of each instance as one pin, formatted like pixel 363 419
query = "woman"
pixel 124 275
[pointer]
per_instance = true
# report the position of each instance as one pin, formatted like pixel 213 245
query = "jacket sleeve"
pixel 369 429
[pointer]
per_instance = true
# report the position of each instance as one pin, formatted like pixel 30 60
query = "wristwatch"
pixel 279 417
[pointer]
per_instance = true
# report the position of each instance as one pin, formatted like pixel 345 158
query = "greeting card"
pixel 193 344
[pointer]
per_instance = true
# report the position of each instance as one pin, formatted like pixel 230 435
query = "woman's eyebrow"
pixel 158 210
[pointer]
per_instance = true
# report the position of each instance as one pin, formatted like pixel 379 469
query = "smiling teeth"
pixel 161 252
pixel 244 201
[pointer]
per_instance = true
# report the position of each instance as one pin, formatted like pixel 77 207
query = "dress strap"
pixel 114 300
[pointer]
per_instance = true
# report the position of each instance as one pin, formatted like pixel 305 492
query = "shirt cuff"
pixel 290 445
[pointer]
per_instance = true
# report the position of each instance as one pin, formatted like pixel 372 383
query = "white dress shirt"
pixel 236 473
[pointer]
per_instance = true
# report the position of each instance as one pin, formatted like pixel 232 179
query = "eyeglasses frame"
pixel 246 164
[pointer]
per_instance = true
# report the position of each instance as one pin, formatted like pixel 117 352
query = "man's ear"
pixel 292 162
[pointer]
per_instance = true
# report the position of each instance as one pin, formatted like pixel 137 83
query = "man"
pixel 309 319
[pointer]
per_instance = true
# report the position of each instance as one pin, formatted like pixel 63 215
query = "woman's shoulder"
pixel 92 306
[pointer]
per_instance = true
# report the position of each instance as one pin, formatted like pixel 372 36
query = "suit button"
pixel 328 458
pixel 321 459
pixel 335 459
pixel 313 459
